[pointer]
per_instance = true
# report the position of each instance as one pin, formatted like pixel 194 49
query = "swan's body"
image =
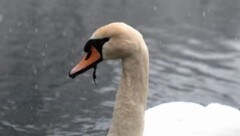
pixel 120 41
pixel 191 119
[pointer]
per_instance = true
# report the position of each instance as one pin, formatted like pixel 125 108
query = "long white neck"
pixel 128 115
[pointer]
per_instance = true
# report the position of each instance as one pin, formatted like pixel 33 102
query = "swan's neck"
pixel 128 115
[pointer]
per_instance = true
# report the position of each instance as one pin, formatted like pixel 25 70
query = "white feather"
pixel 191 119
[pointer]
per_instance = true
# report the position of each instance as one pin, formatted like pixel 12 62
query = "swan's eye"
pixel 97 43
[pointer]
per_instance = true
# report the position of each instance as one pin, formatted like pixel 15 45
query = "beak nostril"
pixel 88 55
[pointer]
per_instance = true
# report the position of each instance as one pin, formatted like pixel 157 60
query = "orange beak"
pixel 91 59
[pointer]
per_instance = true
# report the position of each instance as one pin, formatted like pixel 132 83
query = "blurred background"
pixel 194 50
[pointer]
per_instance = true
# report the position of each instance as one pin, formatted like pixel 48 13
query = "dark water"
pixel 194 56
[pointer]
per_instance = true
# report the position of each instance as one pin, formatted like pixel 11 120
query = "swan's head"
pixel 113 41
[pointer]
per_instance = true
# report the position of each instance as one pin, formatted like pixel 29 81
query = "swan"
pixel 120 41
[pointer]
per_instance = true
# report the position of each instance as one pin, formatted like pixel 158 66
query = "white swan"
pixel 120 41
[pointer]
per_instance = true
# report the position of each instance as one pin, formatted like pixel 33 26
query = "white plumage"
pixel 191 119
